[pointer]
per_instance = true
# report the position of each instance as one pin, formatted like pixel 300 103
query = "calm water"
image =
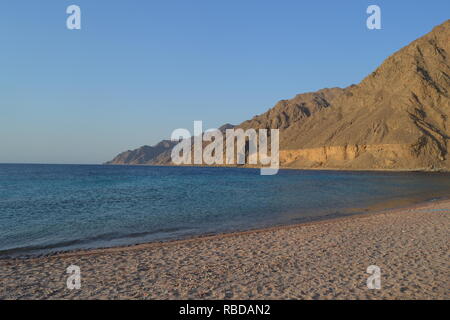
pixel 48 208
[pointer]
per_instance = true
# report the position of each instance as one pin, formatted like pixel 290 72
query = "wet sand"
pixel 320 260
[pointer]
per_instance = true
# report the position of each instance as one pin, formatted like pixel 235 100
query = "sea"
pixel 46 209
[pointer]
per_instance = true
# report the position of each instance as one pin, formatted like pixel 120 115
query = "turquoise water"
pixel 50 208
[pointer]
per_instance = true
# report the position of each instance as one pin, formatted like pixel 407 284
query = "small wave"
pixel 35 250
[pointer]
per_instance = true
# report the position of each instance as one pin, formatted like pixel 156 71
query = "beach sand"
pixel 321 260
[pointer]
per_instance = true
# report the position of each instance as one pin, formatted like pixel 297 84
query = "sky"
pixel 137 70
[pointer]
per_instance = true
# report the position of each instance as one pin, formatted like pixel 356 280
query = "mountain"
pixel 396 118
pixel 160 154
pixel 144 155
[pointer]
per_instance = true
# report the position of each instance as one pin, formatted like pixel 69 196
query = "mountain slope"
pixel 396 118
pixel 160 154
pixel 144 154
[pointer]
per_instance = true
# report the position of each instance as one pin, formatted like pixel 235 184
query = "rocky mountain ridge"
pixel 395 119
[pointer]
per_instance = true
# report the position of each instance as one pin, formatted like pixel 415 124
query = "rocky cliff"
pixel 396 118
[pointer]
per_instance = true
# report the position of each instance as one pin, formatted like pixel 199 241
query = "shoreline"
pixel 399 205
pixel 315 260
pixel 206 237
pixel 332 169
pixel 418 170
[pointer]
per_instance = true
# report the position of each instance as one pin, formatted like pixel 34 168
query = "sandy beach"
pixel 320 260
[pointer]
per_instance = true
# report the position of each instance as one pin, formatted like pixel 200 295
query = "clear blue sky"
pixel 139 69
